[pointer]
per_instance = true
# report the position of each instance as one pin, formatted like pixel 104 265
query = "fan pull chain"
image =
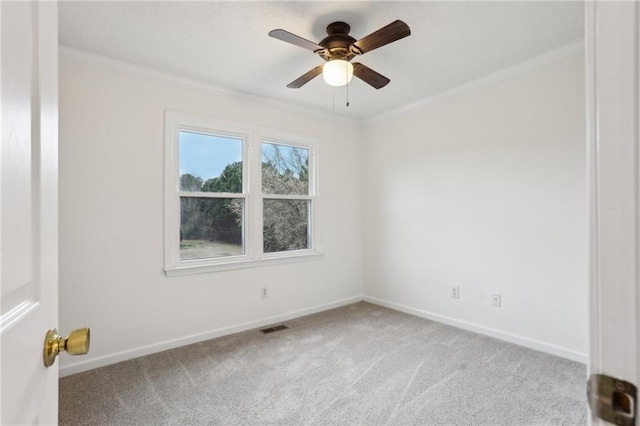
pixel 347 94
pixel 346 72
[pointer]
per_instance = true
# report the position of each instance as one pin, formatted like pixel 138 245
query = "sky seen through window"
pixel 205 156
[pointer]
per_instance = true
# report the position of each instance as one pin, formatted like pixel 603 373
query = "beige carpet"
pixel 356 365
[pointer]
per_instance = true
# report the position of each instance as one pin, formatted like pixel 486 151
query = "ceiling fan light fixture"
pixel 338 48
pixel 337 72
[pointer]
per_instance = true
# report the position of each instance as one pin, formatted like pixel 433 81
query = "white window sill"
pixel 200 268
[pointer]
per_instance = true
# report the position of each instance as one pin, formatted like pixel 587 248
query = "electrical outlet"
pixel 264 292
pixel 496 300
pixel 455 292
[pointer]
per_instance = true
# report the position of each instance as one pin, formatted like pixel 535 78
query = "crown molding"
pixel 110 64
pixel 498 76
pixel 106 63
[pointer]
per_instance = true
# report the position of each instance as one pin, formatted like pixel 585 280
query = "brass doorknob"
pixel 76 343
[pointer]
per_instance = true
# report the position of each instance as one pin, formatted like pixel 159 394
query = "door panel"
pixel 613 85
pixel 28 209
pixel 613 92
pixel 16 154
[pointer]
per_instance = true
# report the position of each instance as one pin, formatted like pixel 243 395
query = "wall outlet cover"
pixel 455 292
pixel 496 300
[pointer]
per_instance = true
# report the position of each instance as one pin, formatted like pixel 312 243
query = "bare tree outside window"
pixel 285 171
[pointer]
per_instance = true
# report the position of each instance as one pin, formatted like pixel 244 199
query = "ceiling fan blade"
pixel 305 78
pixel 369 76
pixel 385 35
pixel 294 39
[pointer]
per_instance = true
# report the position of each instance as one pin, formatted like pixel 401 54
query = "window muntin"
pixel 241 197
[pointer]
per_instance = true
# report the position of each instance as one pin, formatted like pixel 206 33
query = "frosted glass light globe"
pixel 337 72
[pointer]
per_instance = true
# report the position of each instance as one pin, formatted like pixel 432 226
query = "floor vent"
pixel 274 328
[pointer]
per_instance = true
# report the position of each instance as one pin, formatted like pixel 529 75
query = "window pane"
pixel 285 169
pixel 211 227
pixel 209 163
pixel 286 225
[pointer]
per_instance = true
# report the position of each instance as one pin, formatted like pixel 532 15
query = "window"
pixel 285 197
pixel 211 197
pixel 236 196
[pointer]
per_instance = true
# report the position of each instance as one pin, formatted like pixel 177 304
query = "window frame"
pixel 252 138
pixel 310 196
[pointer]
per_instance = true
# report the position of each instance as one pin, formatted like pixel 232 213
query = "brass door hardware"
pixel 612 400
pixel 76 343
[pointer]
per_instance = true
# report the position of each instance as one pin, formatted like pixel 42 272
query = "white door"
pixel 28 210
pixel 613 92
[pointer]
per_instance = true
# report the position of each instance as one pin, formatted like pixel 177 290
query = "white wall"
pixel 111 219
pixel 486 191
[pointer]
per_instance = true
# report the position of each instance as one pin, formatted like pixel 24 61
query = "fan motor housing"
pixel 338 41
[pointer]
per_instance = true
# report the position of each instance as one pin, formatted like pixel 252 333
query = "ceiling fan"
pixel 339 48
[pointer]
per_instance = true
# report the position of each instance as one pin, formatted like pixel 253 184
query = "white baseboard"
pixel 508 337
pixel 90 364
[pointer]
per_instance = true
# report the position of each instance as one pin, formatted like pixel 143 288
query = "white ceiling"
pixel 225 44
